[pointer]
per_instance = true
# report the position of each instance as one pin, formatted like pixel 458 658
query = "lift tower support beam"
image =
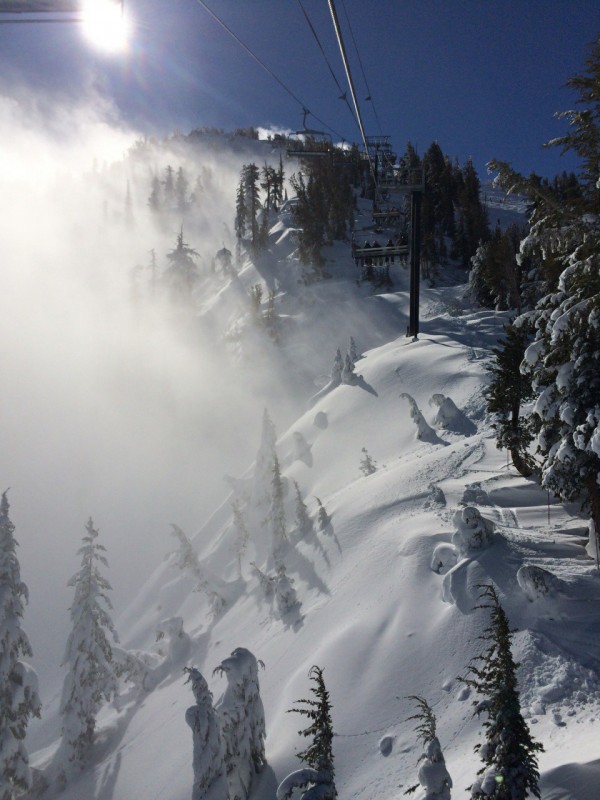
pixel 415 263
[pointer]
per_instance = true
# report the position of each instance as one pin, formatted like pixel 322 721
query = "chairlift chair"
pixel 310 143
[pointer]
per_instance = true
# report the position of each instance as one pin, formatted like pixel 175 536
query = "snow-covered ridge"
pixel 387 590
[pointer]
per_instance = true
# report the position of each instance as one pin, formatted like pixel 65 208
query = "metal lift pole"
pixel 415 263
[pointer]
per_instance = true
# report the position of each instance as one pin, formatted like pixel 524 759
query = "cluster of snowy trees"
pixel 92 672
pixel 19 699
pixel 508 752
pixel 229 736
pixel 265 505
pixel 551 353
pixel 324 209
pixel 252 214
pixel 453 217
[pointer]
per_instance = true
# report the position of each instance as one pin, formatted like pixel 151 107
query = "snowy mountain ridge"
pixel 388 592
pixel 136 415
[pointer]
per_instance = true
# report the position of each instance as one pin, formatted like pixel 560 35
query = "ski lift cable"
pixel 343 94
pixel 369 93
pixel 338 32
pixel 264 66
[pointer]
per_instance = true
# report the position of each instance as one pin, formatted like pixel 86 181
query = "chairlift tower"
pixel 391 183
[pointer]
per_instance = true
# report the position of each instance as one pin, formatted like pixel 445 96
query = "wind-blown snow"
pixel 389 593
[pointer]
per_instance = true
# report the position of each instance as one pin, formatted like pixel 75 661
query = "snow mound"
pixel 473 532
pixel 538 583
pixel 444 558
pixel 449 417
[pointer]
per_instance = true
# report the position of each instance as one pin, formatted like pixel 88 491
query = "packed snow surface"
pixel 387 591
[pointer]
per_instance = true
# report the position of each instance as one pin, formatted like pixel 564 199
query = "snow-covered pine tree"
pixel 286 599
pixel 316 780
pixel 367 465
pixel 242 534
pixel 348 374
pixel 208 765
pixel 338 366
pixel 509 754
pixel 564 359
pixel 506 393
pixel 242 721
pixel 92 673
pixel 425 432
pixel 187 559
pixel 565 363
pixel 19 699
pixel 353 352
pixel 241 212
pixel 267 582
pixel 263 467
pixel 434 778
pixel 323 518
pixel 303 521
pixel 182 274
pixel 250 178
pixel 277 517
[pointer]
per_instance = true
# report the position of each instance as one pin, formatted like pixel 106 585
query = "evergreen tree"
pixel 317 778
pixel 510 770
pixel 309 216
pixel 367 465
pixel 208 765
pixel 270 317
pixel 348 374
pixel 241 212
pixel 338 366
pixel 267 582
pixel 564 362
pixel 303 521
pixel 506 393
pixel 128 207
pixel 496 273
pixel 242 721
pixel 256 294
pixel 323 518
pixel 186 559
pixel 564 359
pixel 242 534
pixel 268 184
pixel 19 699
pixel 154 198
pixel 324 210
pixel 182 273
pixel 277 516
pixel 286 599
pixel 279 184
pixel 181 191
pixel 433 775
pixel 250 178
pixel 169 187
pixel 264 463
pixel 92 673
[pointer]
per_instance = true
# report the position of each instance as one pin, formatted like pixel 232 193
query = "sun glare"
pixel 105 24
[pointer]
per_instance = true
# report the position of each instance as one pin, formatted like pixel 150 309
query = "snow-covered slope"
pixel 378 612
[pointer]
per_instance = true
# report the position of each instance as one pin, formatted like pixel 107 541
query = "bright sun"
pixel 105 24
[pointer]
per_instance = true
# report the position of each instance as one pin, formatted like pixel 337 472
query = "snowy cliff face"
pixel 387 592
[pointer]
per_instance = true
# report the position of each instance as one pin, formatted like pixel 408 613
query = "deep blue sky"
pixel 483 77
